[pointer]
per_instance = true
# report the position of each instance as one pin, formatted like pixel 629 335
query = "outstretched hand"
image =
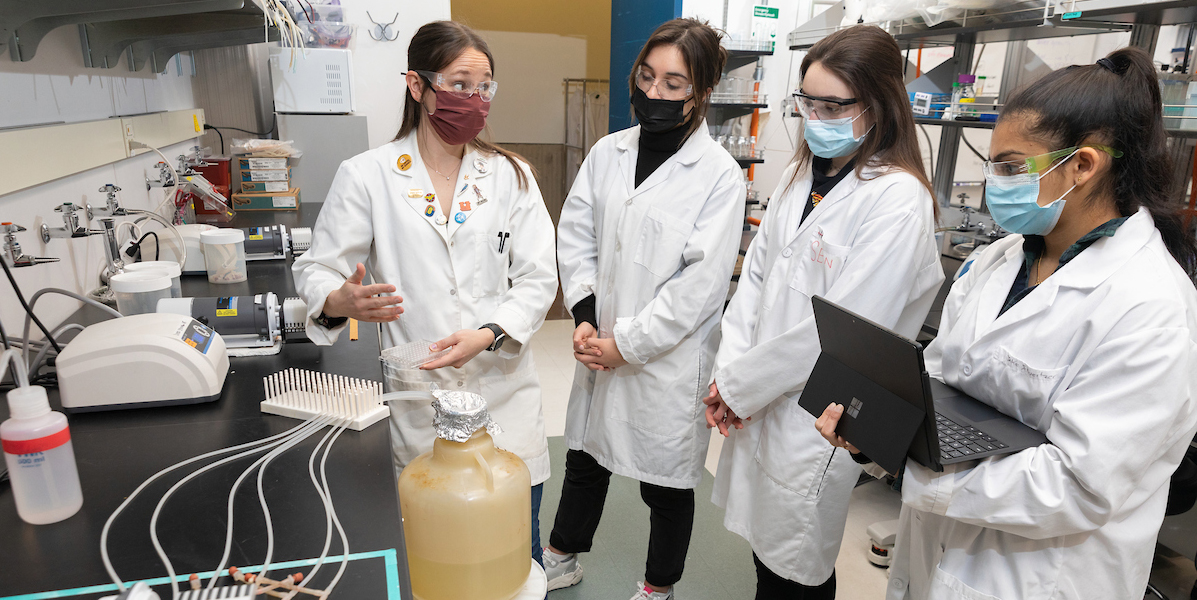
pixel 363 302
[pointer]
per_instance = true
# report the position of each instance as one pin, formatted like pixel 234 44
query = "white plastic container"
pixel 169 267
pixel 40 458
pixel 224 255
pixel 138 292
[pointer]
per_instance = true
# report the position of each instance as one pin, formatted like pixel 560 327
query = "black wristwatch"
pixel 500 336
pixel 328 322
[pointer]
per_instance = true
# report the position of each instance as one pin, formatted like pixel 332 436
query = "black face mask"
pixel 658 116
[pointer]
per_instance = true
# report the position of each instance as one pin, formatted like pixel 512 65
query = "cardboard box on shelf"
pixel 264 175
pixel 288 200
pixel 252 163
pixel 258 187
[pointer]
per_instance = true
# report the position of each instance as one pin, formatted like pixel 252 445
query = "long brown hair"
pixel 704 55
pixel 1115 102
pixel 868 60
pixel 435 46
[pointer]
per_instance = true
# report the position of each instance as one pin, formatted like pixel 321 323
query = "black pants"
pixel 770 586
pixel 581 507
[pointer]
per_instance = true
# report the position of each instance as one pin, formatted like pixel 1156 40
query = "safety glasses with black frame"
pixel 821 108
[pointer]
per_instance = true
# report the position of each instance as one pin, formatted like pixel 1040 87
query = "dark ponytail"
pixel 1115 102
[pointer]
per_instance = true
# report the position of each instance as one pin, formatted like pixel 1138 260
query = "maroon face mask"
pixel 458 120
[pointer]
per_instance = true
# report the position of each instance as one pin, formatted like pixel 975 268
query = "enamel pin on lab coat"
pixel 481 199
pixel 404 162
pixel 430 197
pixel 415 193
pixel 481 166
pixel 459 217
pixel 429 211
pixel 441 220
pixel 464 206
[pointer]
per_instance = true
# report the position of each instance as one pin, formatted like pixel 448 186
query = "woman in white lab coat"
pixel 646 247
pixel 853 221
pixel 1083 327
pixel 456 230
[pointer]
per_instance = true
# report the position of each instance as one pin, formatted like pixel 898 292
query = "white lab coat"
pixel 1101 358
pixel 451 277
pixel 659 260
pixel 868 246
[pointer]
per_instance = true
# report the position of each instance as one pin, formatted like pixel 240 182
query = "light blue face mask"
pixel 832 138
pixel 1013 202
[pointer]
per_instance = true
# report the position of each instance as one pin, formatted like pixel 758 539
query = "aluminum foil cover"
pixel 460 414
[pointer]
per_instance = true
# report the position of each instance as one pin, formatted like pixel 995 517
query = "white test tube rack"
pixel 303 394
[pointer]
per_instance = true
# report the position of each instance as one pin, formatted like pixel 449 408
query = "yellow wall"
pixel 589 19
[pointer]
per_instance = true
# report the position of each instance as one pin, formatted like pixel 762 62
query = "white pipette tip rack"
pixel 303 394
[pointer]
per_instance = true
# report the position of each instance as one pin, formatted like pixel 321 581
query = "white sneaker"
pixel 561 572
pixel 646 593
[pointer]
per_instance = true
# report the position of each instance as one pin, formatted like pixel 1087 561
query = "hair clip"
pixel 1108 64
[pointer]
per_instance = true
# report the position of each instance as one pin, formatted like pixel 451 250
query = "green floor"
pixel 719 564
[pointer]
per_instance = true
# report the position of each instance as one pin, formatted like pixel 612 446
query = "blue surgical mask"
pixel 1013 202
pixel 832 138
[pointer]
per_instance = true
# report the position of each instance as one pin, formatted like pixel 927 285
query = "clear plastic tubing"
pixel 224 255
pixel 40 458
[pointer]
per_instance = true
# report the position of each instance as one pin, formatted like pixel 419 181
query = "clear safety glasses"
pixel 459 87
pixel 820 109
pixel 669 87
pixel 1037 164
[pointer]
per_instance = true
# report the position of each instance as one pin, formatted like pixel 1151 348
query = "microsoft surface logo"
pixel 854 407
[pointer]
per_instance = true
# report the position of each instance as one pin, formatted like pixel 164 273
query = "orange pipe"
pixel 1192 193
pixel 918 63
pixel 754 125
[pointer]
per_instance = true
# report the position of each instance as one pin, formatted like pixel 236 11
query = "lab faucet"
pixel 71 228
pixel 112 206
pixel 112 250
pixel 13 256
pixel 966 224
pixel 188 162
pixel 165 177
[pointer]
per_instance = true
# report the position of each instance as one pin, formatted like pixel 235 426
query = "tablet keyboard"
pixel 956 440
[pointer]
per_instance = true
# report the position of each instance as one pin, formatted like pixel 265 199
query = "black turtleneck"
pixel 656 148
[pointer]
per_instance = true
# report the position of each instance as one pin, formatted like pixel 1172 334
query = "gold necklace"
pixel 429 163
pixel 447 178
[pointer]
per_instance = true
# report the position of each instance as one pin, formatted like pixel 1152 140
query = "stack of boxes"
pixel 263 183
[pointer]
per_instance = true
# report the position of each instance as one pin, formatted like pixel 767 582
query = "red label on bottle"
pixel 41 444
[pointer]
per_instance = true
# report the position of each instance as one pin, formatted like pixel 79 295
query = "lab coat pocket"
pixel 662 240
pixel 490 265
pixel 1021 390
pixel 819 263
pixel 946 587
pixel 791 452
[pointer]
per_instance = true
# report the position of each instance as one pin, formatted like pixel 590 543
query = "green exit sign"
pixel 765 12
